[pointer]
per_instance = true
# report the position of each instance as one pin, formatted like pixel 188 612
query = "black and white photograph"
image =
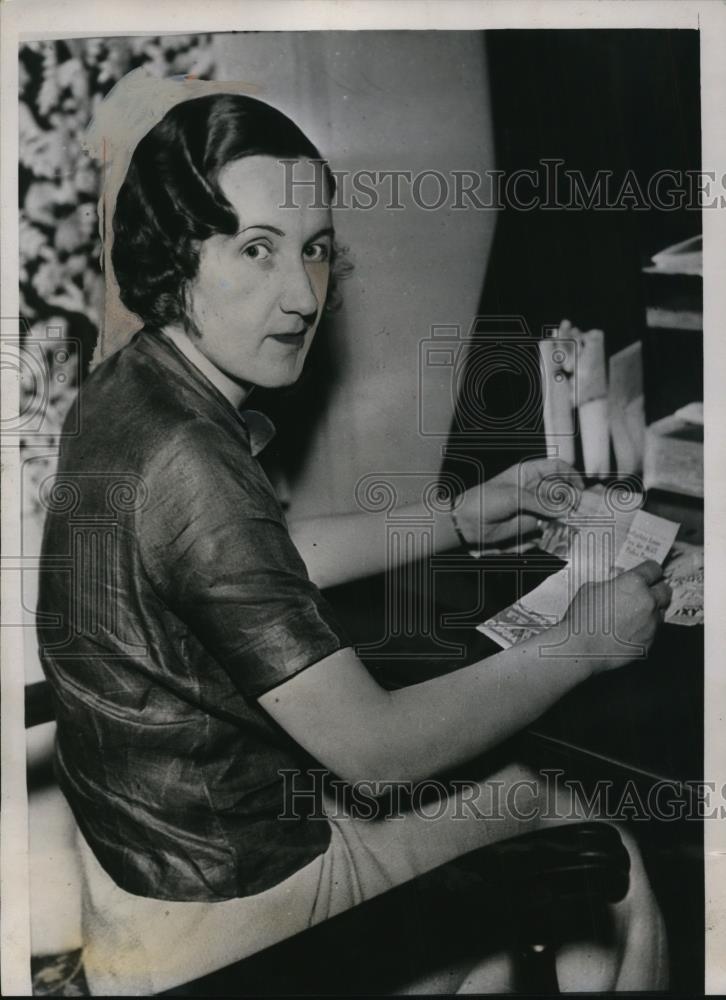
pixel 360 473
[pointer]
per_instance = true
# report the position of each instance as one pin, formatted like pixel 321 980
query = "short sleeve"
pixel 215 545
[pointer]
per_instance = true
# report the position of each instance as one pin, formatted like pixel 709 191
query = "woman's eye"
pixel 256 251
pixel 317 252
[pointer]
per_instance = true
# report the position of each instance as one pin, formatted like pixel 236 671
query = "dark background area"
pixel 598 100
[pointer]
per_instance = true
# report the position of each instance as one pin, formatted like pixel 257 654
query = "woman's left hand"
pixel 511 503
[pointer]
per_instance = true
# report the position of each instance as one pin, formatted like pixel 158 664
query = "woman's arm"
pixel 343 547
pixel 360 731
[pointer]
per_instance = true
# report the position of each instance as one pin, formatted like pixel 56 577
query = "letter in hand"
pixel 614 622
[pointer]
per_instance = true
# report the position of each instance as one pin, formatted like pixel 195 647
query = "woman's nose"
pixel 299 295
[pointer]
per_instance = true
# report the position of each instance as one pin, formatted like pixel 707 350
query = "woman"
pixel 199 675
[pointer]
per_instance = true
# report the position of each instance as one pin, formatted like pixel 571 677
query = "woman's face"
pixel 258 295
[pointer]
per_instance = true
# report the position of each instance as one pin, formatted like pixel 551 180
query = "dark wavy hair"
pixel 171 201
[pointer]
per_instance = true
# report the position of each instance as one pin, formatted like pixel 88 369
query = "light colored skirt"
pixel 137 946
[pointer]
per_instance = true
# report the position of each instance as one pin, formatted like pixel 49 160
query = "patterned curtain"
pixel 61 84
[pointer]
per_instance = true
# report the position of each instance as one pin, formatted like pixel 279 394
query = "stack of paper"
pixel 684 572
pixel 681 258
pixel 673 458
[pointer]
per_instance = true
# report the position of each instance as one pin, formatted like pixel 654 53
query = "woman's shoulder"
pixel 136 403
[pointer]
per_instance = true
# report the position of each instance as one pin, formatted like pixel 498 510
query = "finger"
pixel 545 506
pixel 503 531
pixel 568 472
pixel 547 466
pixel 552 469
pixel 558 466
pixel 650 571
pixel 526 523
pixel 517 527
pixel 662 593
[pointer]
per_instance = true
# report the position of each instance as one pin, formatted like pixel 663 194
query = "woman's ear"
pixel 341 266
pixel 188 320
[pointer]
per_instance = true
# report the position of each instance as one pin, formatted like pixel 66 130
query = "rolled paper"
pixel 590 392
pixel 557 398
pixel 590 373
pixel 595 437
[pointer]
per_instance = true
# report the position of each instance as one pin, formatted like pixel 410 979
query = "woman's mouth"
pixel 296 339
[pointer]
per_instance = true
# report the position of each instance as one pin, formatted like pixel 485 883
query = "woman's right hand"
pixel 616 620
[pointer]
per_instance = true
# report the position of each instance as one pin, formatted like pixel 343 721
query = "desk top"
pixel 644 719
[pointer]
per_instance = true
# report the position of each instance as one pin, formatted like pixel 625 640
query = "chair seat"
pixel 565 862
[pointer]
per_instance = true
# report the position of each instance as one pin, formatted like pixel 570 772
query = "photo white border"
pixel 25 20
